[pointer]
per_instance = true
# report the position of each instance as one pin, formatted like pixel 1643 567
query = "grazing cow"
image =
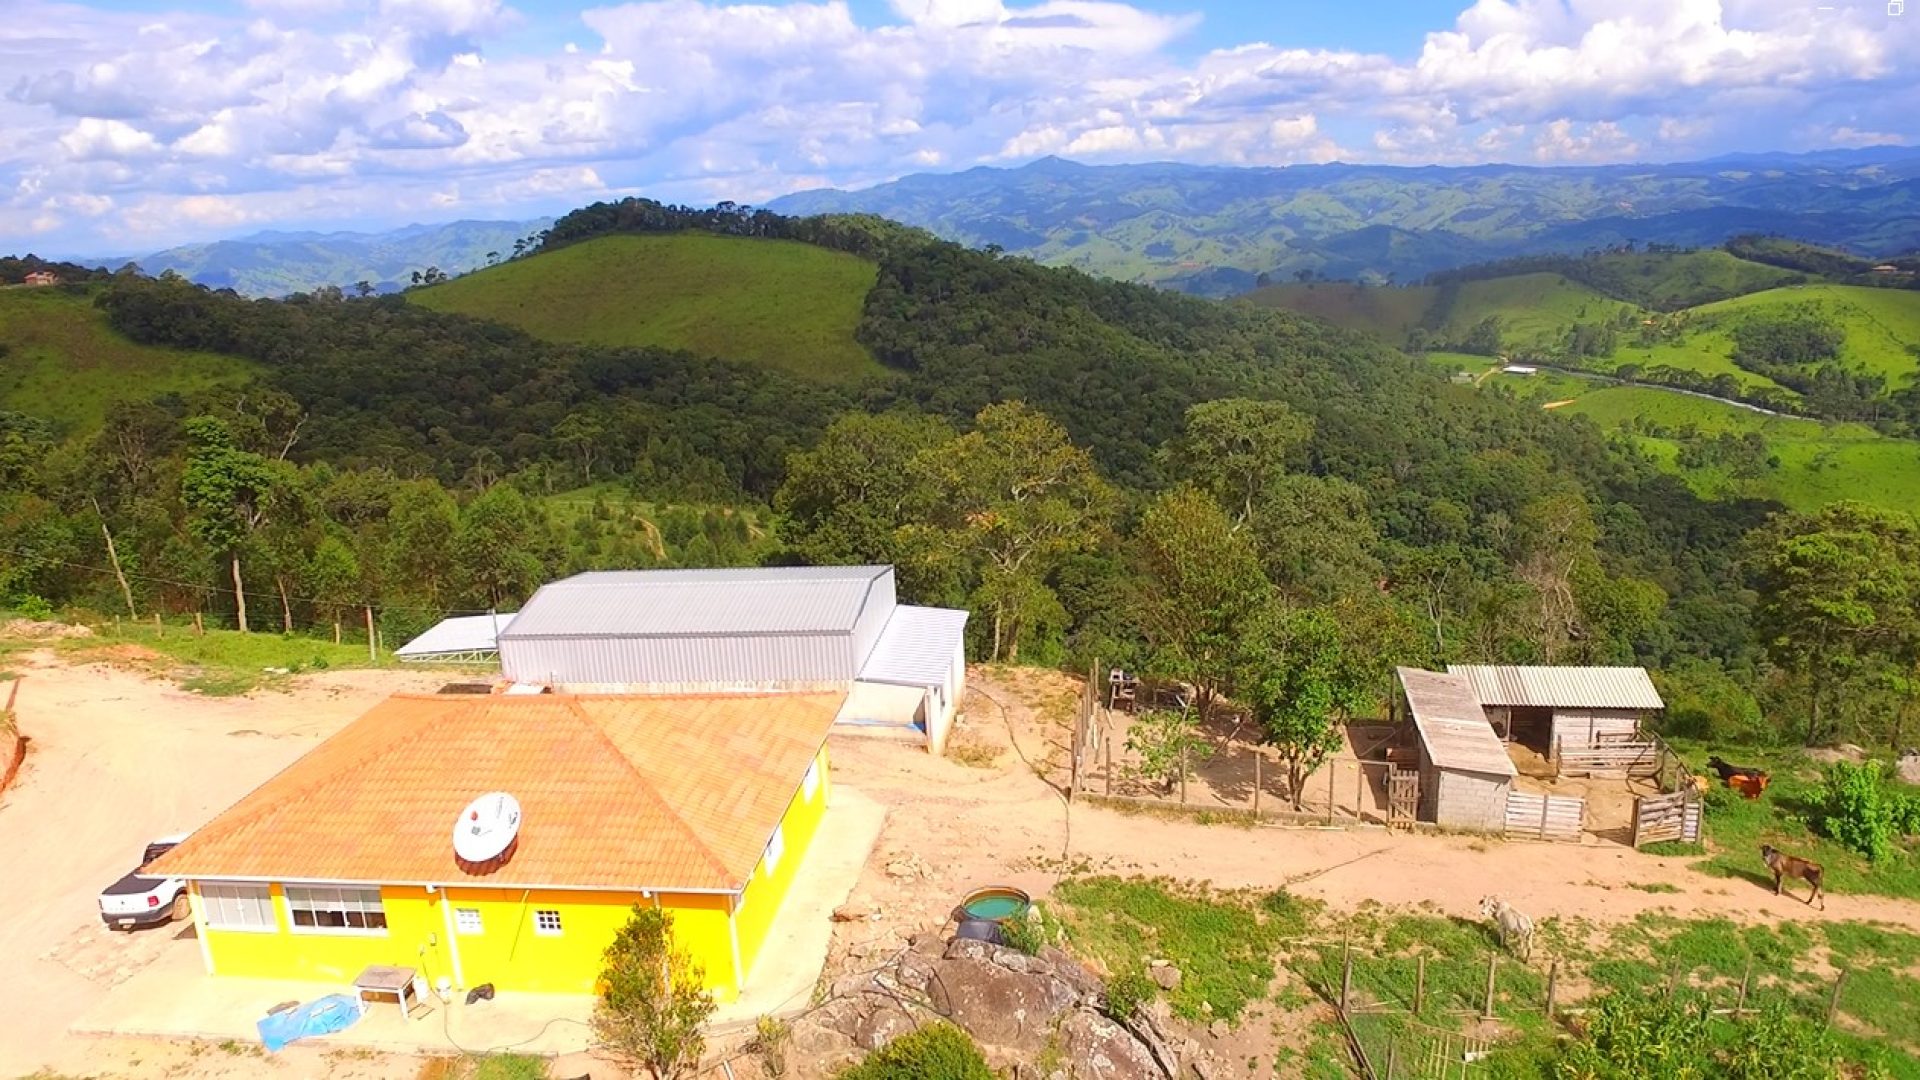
pixel 1513 925
pixel 1785 866
pixel 1744 779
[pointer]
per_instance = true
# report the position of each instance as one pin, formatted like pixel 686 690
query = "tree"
pixel 1837 588
pixel 653 998
pixel 1167 742
pixel 1014 497
pixel 332 578
pixel 498 546
pixel 1233 448
pixel 228 494
pixel 1197 584
pixel 847 499
pixel 1305 670
pixel 581 433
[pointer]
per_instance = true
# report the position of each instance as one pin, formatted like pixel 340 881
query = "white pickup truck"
pixel 138 900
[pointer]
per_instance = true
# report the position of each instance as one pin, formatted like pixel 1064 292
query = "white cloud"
pixel 310 108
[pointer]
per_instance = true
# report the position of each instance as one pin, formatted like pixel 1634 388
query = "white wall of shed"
pixel 1469 800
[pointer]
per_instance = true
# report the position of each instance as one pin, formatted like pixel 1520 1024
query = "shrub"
pixel 653 998
pixel 1169 742
pixel 34 607
pixel 1127 992
pixel 1706 702
pixel 1856 808
pixel 1637 1038
pixel 935 1052
pixel 771 1037
pixel 1029 932
pixel 1782 1045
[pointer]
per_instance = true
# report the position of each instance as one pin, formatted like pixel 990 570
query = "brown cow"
pixel 1785 866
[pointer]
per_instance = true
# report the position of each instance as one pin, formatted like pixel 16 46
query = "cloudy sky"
pixel 128 125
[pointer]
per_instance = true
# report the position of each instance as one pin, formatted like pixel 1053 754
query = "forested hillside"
pixel 1093 468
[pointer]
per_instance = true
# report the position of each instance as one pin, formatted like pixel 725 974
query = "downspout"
pixel 453 941
pixel 733 939
pixel 200 924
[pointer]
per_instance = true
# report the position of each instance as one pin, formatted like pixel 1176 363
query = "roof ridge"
pixel 646 784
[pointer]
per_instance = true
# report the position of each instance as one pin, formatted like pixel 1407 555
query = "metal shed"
pixel 1465 773
pixel 748 630
pixel 1563 706
pixel 462 639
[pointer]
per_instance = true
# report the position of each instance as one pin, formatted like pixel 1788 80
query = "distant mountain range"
pixel 1217 229
pixel 278 263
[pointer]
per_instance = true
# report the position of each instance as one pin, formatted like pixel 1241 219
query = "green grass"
pixel 1223 943
pixel 1673 280
pixel 221 663
pixel 63 363
pixel 781 303
pixel 1533 309
pixel 1736 827
pixel 1819 462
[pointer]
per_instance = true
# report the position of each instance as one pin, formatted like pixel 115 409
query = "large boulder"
pixel 1097 1048
pixel 1000 1000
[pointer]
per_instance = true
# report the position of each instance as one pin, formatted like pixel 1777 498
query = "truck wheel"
pixel 182 908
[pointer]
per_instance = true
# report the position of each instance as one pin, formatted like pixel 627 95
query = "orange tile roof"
pixel 669 792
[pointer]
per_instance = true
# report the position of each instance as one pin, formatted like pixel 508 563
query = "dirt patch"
pixel 37 630
pixel 1827 755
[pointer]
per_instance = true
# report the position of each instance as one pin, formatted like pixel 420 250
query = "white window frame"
pixel 220 899
pixel 776 847
pixel 469 922
pixel 349 898
pixel 559 922
pixel 810 785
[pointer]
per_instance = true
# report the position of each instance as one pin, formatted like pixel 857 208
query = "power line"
pixel 214 590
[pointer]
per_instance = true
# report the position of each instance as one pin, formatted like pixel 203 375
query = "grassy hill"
pixel 1387 313
pixel 60 361
pixel 1817 463
pixel 1533 309
pixel 784 304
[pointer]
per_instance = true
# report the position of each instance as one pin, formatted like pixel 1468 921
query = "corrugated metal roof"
pixel 670 603
pixel 1452 725
pixel 917 647
pixel 460 634
pixel 1561 687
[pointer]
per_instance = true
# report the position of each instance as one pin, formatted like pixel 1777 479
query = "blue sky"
pixel 128 125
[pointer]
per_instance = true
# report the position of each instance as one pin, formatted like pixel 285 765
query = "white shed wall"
pixel 747 660
pixel 1466 800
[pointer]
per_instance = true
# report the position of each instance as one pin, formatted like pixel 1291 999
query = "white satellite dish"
pixel 486 827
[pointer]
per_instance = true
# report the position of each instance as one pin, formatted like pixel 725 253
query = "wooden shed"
pixel 1546 707
pixel 1465 773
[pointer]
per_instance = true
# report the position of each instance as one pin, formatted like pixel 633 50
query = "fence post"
pixel 1183 774
pixel 1359 790
pixel 1833 1003
pixel 1346 978
pixel 1553 978
pixel 1746 983
pixel 1545 802
pixel 1493 965
pixel 1257 755
pixel 1420 984
pixel 1331 770
pixel 1106 741
pixel 1393 1057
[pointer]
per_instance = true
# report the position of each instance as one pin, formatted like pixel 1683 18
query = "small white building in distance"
pixel 804 628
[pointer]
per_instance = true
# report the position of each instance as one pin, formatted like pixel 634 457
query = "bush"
pixel 1856 808
pixel 33 607
pixel 653 999
pixel 771 1038
pixel 1637 1038
pixel 1706 702
pixel 935 1052
pixel 1782 1045
pixel 1127 992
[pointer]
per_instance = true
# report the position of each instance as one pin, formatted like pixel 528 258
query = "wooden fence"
pixel 1671 817
pixel 1545 817
pixel 1644 756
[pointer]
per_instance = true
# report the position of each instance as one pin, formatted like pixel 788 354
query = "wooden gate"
pixel 1658 818
pixel 1403 795
pixel 1545 817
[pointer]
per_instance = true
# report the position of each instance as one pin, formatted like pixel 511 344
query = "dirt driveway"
pixel 115 760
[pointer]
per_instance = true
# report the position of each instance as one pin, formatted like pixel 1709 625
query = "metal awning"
pixel 461 639
pixel 1547 687
pixel 917 647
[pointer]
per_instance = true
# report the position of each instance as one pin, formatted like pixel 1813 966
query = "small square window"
pixel 776 847
pixel 546 921
pixel 812 782
pixel 467 920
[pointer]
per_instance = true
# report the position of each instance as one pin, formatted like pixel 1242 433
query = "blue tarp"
pixel 335 1012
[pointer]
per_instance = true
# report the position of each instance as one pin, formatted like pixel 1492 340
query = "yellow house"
pixel 702 805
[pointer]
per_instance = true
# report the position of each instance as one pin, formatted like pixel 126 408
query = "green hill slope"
pixel 60 361
pixel 1534 309
pixel 781 303
pixel 1386 312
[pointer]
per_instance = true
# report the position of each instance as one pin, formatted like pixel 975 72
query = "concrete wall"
pixel 1467 800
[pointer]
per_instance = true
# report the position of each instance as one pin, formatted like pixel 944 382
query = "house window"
pixel 336 910
pixel 775 848
pixel 812 783
pixel 546 921
pixel 233 906
pixel 467 920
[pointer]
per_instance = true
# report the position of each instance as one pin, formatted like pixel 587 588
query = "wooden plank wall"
pixel 1658 818
pixel 1636 759
pixel 1545 817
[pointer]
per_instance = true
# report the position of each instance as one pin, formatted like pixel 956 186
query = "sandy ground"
pixel 118 758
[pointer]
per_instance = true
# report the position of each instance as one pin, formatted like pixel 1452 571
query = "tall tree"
pixel 1197 586
pixel 1233 448
pixel 1015 497
pixel 332 578
pixel 1837 589
pixel 847 499
pixel 228 493
pixel 499 546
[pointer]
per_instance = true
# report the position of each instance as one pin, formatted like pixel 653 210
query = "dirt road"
pixel 117 759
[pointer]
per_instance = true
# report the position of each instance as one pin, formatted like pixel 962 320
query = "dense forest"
pixel 1093 468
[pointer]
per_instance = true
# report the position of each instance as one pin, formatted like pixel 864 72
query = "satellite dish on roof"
pixel 486 828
